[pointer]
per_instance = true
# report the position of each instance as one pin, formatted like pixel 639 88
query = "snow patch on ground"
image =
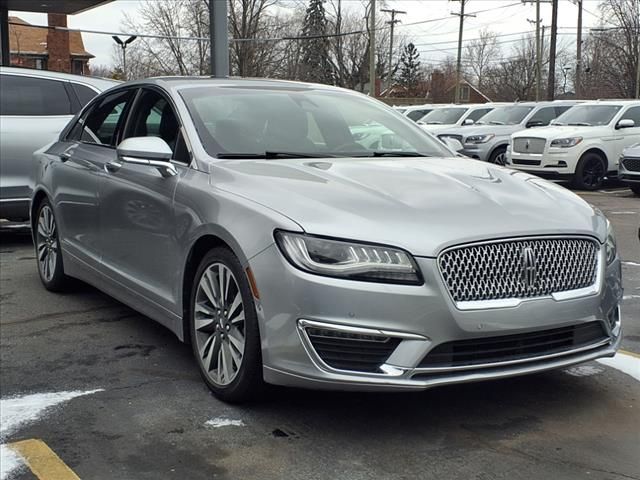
pixel 17 411
pixel 224 422
pixel 625 363
pixel 584 371
pixel 10 463
pixel 633 264
pixel 629 297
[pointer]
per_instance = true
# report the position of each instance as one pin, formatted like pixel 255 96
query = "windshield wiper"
pixel 269 155
pixel 434 123
pixel 397 154
pixel 495 122
pixel 579 124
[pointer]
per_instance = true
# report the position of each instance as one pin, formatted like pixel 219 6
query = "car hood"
pixel 564 131
pixel 497 130
pixel 420 204
pixel 437 128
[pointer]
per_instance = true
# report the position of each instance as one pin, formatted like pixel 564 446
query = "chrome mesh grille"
pixel 529 145
pixel 632 164
pixel 498 270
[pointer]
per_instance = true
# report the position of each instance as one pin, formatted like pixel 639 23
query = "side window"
pixel 84 93
pixel 542 117
pixel 416 114
pixel 153 116
pixel 31 96
pixel 561 110
pixel 478 114
pixel 632 114
pixel 101 125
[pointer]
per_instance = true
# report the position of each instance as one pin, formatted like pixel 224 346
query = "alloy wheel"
pixel 500 159
pixel 47 243
pixel 219 319
pixel 593 172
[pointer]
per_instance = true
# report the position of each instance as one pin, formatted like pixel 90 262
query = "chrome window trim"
pixel 516 301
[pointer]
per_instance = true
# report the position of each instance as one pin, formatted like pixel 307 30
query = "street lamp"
pixel 123 45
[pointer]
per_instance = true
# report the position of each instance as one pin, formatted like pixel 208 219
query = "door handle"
pixel 64 156
pixel 112 167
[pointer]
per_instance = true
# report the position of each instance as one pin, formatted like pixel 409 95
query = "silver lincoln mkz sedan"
pixel 246 216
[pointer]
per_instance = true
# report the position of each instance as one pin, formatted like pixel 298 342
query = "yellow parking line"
pixel 633 354
pixel 43 462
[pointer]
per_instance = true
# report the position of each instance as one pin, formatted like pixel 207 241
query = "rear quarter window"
pixel 84 93
pixel 30 96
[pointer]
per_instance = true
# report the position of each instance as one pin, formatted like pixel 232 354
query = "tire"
pixel 48 252
pixel 635 188
pixel 232 369
pixel 590 172
pixel 498 156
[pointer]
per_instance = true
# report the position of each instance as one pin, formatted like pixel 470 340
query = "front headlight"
pixel 337 258
pixel 610 244
pixel 479 138
pixel 566 142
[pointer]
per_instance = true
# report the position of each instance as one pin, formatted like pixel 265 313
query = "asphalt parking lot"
pixel 135 407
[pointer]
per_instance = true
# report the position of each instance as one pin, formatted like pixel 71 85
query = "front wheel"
pixel 224 328
pixel 635 188
pixel 499 156
pixel 590 172
pixel 48 253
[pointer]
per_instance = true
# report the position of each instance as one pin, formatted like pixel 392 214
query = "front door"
pixel 137 217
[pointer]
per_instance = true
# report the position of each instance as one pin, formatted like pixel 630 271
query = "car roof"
pixel 612 102
pixel 98 82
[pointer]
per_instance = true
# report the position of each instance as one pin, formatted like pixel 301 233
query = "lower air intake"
pixel 350 351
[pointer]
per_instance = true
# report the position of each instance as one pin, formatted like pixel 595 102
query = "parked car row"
pixel 35 106
pixel 578 141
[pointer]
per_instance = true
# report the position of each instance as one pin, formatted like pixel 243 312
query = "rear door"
pixel 33 112
pixel 90 144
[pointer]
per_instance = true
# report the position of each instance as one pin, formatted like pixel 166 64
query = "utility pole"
pixel 551 85
pixel 219 38
pixel 459 62
pixel 638 48
pixel 578 77
pixel 123 46
pixel 538 52
pixel 372 50
pixel 393 21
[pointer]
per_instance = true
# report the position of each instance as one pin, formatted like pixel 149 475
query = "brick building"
pixel 47 49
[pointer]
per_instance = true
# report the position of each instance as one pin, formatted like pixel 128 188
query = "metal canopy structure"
pixel 68 7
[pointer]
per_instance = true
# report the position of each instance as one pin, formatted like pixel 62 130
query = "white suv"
pixel 582 145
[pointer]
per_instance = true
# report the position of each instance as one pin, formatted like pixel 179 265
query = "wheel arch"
pixel 36 200
pixel 598 151
pixel 497 147
pixel 198 250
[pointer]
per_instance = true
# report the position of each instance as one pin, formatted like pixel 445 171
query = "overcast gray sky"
pixel 435 39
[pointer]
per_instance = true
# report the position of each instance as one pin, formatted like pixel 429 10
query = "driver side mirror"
pixel 534 123
pixel 151 151
pixel 625 123
pixel 468 121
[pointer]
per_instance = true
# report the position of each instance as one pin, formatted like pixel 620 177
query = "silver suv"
pixel 488 139
pixel 35 106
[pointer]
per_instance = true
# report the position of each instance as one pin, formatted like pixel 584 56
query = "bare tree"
pixel 480 54
pixel 611 52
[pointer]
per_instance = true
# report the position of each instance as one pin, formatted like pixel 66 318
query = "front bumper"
pixel 555 163
pixel 421 317
pixel 627 176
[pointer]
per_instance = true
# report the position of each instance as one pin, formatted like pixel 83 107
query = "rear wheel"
pixel 48 254
pixel 224 328
pixel 499 156
pixel 590 172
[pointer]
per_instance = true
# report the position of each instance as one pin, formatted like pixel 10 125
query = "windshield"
pixel 588 115
pixel 510 115
pixel 443 116
pixel 264 121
